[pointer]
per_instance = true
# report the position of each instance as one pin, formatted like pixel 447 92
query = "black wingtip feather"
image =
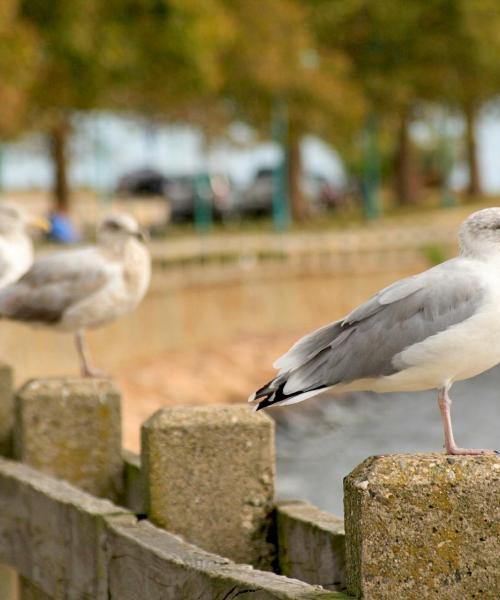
pixel 278 395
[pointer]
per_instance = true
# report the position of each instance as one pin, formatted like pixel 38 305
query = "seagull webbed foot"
pixel 455 451
pixel 94 373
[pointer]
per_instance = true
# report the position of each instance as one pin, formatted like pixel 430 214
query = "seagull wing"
pixel 6 271
pixel 54 283
pixel 365 343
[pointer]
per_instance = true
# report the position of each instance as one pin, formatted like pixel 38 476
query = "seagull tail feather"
pixel 273 394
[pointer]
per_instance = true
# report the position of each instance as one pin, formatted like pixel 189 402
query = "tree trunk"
pixel 405 176
pixel 298 204
pixel 58 149
pixel 474 188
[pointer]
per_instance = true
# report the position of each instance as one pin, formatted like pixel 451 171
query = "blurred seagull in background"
pixel 422 332
pixel 84 288
pixel 16 248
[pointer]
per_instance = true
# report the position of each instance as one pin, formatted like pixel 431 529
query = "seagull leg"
pixel 85 368
pixel 444 402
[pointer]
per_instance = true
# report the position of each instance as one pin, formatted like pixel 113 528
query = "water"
pixel 319 442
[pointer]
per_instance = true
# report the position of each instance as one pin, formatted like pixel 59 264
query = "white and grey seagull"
pixel 84 288
pixel 423 332
pixel 16 248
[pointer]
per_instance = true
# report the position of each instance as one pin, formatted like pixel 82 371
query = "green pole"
pixel 371 170
pixel 203 217
pixel 280 209
pixel 446 159
pixel 100 159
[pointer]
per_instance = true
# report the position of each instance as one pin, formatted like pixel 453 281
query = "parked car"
pixel 142 193
pixel 142 182
pixel 257 199
pixel 180 193
pixel 215 190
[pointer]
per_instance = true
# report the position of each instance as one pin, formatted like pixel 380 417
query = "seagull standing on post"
pixel 84 288
pixel 422 332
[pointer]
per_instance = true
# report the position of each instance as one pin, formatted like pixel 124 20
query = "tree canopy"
pixel 334 64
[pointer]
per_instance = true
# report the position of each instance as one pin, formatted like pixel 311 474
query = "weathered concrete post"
pixel 6 410
pixel 71 429
pixel 209 474
pixel 8 577
pixel 311 544
pixel 422 526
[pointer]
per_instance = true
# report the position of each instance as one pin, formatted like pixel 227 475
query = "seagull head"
pixel 118 228
pixel 14 219
pixel 480 234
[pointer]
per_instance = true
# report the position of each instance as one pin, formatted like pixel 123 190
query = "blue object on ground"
pixel 62 229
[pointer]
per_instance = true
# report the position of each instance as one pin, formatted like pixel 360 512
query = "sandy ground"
pixel 206 375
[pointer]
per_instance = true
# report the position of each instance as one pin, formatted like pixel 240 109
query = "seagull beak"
pixel 39 223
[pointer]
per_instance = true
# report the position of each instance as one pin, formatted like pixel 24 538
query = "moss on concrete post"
pixel 71 429
pixel 422 526
pixel 209 474
pixel 6 410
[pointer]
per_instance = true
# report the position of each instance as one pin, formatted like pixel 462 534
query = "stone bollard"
pixel 311 544
pixel 6 410
pixel 423 526
pixel 71 429
pixel 209 476
pixel 8 577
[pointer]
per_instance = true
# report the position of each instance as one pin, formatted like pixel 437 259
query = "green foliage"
pixel 163 55
pixel 333 63
pixel 17 73
pixel 435 254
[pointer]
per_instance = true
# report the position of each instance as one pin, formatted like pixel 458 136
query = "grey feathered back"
pixel 53 284
pixel 368 341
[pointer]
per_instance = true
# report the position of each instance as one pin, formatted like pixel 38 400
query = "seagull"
pixel 422 332
pixel 16 248
pixel 84 288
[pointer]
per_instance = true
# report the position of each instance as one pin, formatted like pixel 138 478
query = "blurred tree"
pixel 444 51
pixel 274 59
pixel 164 54
pixel 70 74
pixel 17 58
pixel 475 78
pixel 391 48
pixel 146 56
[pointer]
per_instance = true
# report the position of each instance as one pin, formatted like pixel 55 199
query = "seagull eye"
pixel 112 226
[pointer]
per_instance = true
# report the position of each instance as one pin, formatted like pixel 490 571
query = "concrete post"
pixel 422 526
pixel 8 577
pixel 134 492
pixel 6 410
pixel 311 544
pixel 209 476
pixel 71 429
